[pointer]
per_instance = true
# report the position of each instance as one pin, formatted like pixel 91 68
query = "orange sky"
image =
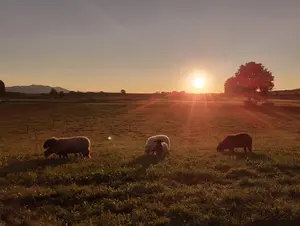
pixel 146 46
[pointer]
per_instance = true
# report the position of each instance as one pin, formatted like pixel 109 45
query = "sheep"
pixel 240 140
pixel 151 142
pixel 67 145
pixel 161 148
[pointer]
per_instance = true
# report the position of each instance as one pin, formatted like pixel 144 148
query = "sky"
pixel 146 45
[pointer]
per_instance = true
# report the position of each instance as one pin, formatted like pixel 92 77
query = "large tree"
pixel 251 79
pixel 230 86
pixel 2 87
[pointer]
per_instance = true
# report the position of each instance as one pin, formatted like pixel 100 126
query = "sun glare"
pixel 198 83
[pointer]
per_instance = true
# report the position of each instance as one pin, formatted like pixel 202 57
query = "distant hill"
pixel 34 89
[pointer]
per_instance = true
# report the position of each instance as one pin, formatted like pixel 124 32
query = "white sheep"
pixel 151 143
pixel 161 149
pixel 67 145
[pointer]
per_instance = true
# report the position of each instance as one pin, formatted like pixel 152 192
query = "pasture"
pixel 194 185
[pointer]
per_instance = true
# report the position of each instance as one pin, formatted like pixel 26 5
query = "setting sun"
pixel 198 83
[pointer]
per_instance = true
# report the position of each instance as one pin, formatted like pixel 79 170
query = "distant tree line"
pixel 54 93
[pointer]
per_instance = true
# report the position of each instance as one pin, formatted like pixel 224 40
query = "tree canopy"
pixel 250 79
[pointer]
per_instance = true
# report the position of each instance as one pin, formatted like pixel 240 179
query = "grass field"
pixel 194 185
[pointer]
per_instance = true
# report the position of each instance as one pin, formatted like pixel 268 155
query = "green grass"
pixel 194 185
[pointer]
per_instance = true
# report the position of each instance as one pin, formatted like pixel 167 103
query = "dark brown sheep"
pixel 64 146
pixel 240 140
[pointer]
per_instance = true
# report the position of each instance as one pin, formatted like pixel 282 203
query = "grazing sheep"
pixel 64 146
pixel 161 148
pixel 151 142
pixel 240 140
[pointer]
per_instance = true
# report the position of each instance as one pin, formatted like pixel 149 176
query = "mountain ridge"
pixel 34 89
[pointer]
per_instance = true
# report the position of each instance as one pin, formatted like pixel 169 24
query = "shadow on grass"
pixel 68 200
pixel 290 170
pixel 142 163
pixel 291 109
pixel 270 111
pixel 277 112
pixel 247 155
pixel 17 166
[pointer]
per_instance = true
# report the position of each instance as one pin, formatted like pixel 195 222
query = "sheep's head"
pixel 148 148
pixel 48 150
pixel 220 147
pixel 49 143
pixel 147 151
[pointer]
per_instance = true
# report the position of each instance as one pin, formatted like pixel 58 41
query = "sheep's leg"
pixel 86 153
pixel 163 154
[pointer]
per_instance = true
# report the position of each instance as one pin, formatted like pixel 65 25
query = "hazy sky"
pixel 146 45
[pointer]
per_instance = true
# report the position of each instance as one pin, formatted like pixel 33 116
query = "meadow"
pixel 194 185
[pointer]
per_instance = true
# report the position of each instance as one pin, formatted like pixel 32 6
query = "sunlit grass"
pixel 119 186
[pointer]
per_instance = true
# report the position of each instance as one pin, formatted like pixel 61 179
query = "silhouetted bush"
pixel 2 88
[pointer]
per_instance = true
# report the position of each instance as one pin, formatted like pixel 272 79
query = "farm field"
pixel 194 185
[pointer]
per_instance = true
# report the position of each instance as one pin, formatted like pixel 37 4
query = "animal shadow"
pixel 19 166
pixel 247 155
pixel 270 111
pixel 142 163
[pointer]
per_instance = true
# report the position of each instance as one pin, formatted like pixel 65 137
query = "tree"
pixel 230 86
pixel 2 87
pixel 53 92
pixel 251 79
pixel 123 91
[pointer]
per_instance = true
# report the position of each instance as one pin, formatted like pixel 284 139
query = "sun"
pixel 198 83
